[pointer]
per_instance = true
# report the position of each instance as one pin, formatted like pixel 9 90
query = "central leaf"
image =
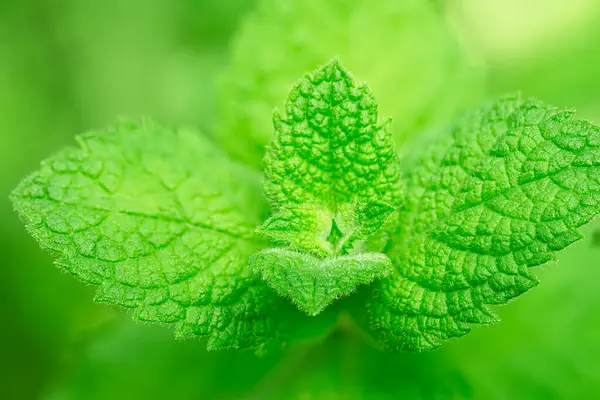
pixel 332 177
pixel 330 148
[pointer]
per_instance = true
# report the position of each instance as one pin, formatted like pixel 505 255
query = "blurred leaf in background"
pixel 142 362
pixel 404 50
pixel 70 66
pixel 546 49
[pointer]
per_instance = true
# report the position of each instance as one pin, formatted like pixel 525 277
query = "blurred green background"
pixel 68 66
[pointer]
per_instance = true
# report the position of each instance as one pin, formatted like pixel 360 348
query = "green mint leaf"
pixel 163 223
pixel 313 283
pixel 303 227
pixel 381 41
pixel 508 190
pixel 368 218
pixel 332 176
pixel 330 148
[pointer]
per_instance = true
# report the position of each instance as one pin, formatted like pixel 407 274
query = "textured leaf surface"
pixel 302 227
pixel 312 283
pixel 330 166
pixel 368 218
pixel 310 228
pixel 332 176
pixel 330 148
pixel 507 191
pixel 141 212
pixel 403 49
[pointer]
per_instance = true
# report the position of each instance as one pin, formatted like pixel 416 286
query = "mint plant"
pixel 164 223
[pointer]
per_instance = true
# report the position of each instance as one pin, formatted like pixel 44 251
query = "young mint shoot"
pixel 169 227
pixel 332 176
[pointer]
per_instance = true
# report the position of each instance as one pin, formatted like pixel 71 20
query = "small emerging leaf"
pixel 309 228
pixel 366 219
pixel 312 283
pixel 304 227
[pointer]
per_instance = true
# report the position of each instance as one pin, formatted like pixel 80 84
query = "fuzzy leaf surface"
pixel 141 212
pixel 508 190
pixel 312 283
pixel 332 176
pixel 331 164
pixel 303 227
pixel 329 148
